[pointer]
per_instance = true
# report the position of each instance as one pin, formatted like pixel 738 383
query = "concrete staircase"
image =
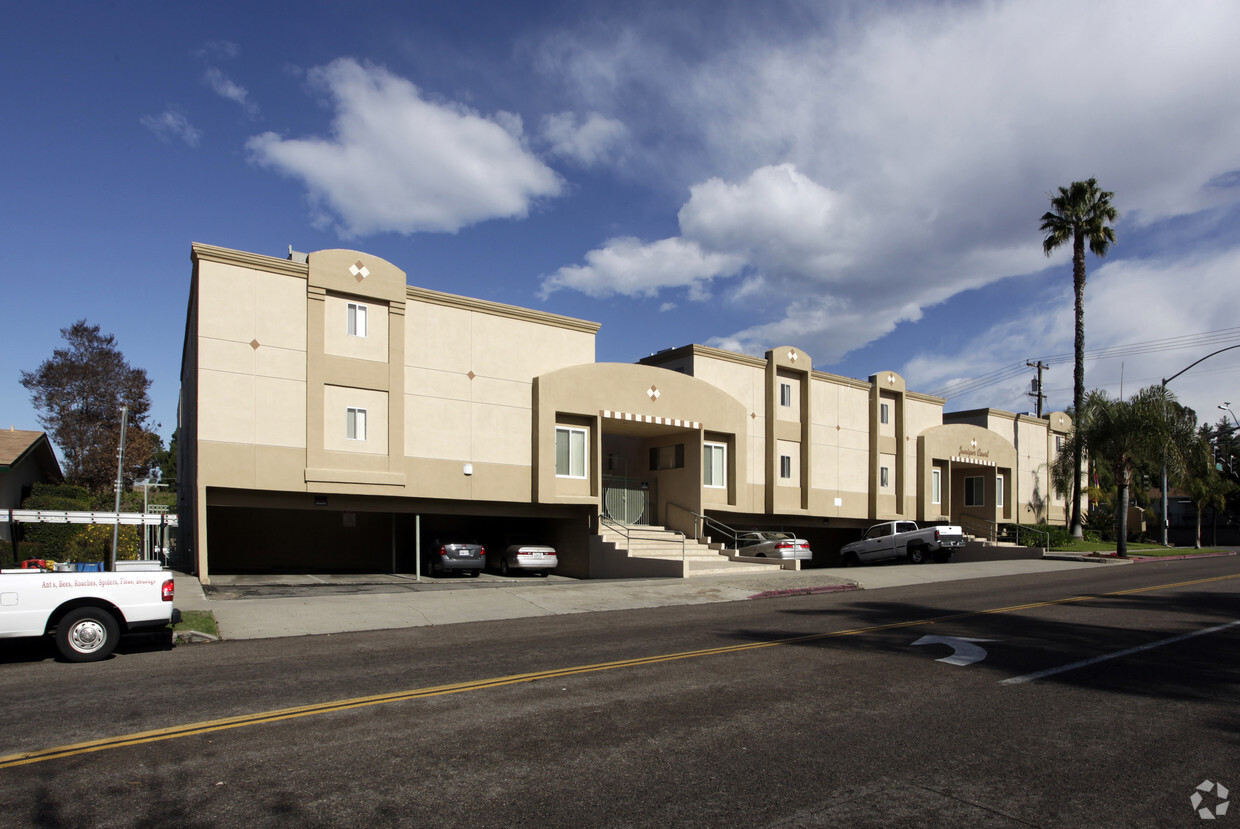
pixel 650 548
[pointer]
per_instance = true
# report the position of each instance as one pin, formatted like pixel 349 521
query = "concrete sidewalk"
pixel 383 602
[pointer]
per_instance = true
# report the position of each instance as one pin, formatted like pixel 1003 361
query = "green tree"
pixel 78 394
pixel 1124 435
pixel 1081 213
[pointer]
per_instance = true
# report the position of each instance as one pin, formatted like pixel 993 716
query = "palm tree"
pixel 1124 434
pixel 1080 213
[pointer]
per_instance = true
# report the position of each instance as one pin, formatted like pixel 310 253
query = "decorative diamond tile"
pixel 973 443
pixel 359 270
pixel 254 344
pixel 753 415
pixel 653 393
pixel 891 379
pixel 792 356
pixel 471 375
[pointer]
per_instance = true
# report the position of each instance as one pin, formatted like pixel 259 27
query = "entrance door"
pixel 629 501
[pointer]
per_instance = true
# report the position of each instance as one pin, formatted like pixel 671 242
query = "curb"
pixel 805 591
pixel 1183 558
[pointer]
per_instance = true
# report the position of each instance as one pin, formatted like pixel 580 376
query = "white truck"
pixel 86 612
pixel 903 539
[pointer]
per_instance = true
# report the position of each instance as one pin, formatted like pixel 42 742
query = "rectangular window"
pixel 714 464
pixel 884 413
pixel 998 490
pixel 667 457
pixel 354 423
pixel 884 479
pixel 570 452
pixel 785 466
pixel 975 492
pixel 936 486
pixel 357 320
pixel 785 394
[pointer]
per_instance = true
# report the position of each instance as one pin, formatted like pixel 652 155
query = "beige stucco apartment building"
pixel 335 418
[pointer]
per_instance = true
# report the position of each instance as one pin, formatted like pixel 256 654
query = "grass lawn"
pixel 202 621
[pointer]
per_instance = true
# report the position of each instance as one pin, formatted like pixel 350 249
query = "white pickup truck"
pixel 86 612
pixel 903 539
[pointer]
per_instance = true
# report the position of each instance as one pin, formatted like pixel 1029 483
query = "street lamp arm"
pixel 1202 360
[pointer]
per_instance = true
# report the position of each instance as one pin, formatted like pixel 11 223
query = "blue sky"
pixel 862 180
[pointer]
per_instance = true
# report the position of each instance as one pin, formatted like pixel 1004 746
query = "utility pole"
pixel 1036 391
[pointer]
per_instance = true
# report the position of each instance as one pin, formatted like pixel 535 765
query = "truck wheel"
pixel 916 555
pixel 851 560
pixel 87 634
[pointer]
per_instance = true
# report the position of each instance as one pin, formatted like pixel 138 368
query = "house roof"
pixel 17 445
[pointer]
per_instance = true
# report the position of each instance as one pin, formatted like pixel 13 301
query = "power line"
pixel 1008 372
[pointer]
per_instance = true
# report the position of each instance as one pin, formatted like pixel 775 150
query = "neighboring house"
pixel 26 459
pixel 332 417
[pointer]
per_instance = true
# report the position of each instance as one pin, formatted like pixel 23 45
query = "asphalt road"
pixel 807 711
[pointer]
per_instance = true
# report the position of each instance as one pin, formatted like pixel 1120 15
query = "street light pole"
pixel 1226 406
pixel 1165 381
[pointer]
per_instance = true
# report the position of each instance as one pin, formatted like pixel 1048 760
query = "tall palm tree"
pixel 1125 433
pixel 1080 213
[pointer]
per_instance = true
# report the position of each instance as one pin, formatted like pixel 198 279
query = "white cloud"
pixel 225 87
pixel 171 125
pixel 587 143
pixel 218 50
pixel 398 162
pixel 885 160
pixel 632 268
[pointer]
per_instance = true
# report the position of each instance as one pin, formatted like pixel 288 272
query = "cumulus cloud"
pixel 629 267
pixel 171 125
pixel 883 161
pixel 587 143
pixel 396 161
pixel 225 87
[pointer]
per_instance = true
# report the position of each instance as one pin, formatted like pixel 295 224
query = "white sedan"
pixel 538 558
pixel 766 544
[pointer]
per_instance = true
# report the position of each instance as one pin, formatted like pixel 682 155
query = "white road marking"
pixel 966 653
pixel 1020 680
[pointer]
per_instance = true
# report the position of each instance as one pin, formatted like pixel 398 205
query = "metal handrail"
pixel 710 524
pixel 629 533
pixel 989 530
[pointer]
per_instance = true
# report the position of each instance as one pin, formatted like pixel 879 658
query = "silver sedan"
pixel 766 544
pixel 538 558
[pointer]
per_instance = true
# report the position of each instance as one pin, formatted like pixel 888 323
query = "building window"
pixel 884 479
pixel 884 413
pixel 936 486
pixel 785 394
pixel 785 467
pixel 357 320
pixel 975 492
pixel 667 457
pixel 998 490
pixel 1058 443
pixel 354 423
pixel 714 464
pixel 570 452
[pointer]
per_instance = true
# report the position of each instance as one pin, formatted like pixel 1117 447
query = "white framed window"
pixel 785 466
pixel 570 452
pixel 356 319
pixel 785 394
pixel 975 492
pixel 884 477
pixel 355 423
pixel 998 490
pixel 884 413
pixel 714 464
pixel 936 486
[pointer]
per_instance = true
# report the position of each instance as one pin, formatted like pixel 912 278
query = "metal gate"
pixel 629 501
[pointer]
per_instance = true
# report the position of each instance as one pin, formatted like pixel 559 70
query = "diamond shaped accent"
pixel 471 375
pixel 254 344
pixel 891 379
pixel 973 443
pixel 792 356
pixel 359 270
pixel 653 393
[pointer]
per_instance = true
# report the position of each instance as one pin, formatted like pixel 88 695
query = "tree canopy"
pixel 78 393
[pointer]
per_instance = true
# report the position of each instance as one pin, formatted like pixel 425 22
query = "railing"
pixel 630 534
pixel 709 526
pixel 1011 533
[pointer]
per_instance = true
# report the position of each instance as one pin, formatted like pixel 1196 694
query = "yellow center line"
pixel 209 726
